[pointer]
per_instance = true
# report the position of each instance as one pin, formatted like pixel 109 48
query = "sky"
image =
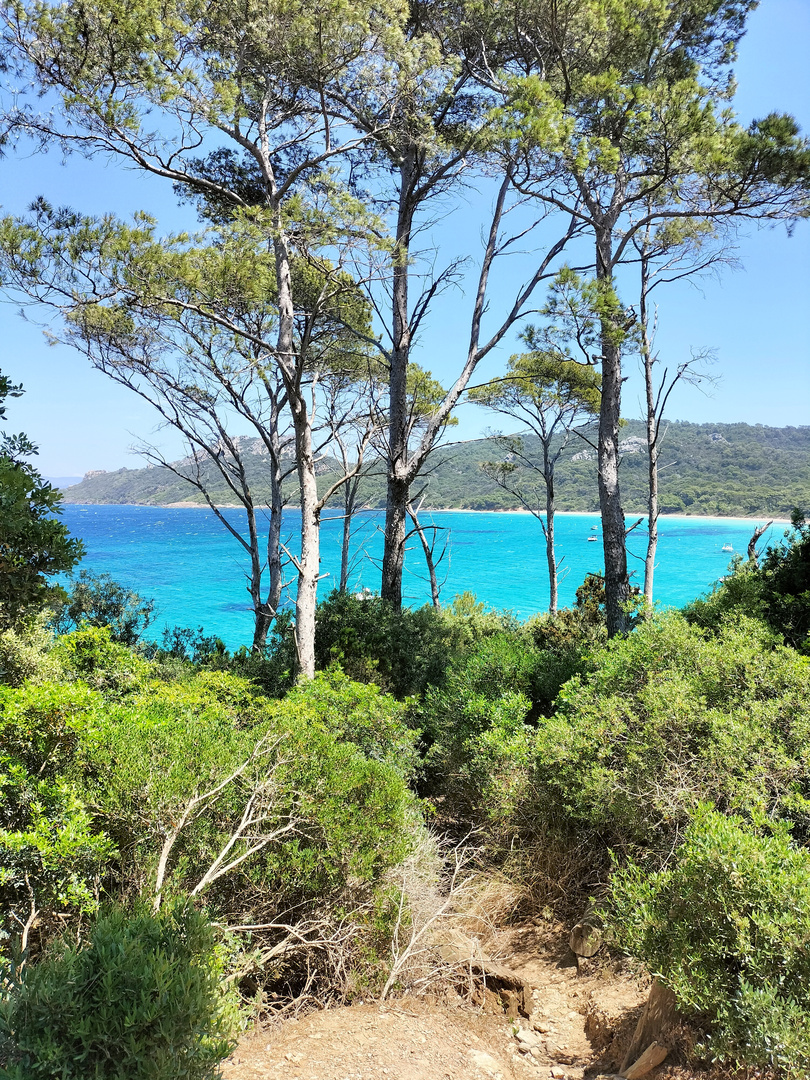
pixel 754 319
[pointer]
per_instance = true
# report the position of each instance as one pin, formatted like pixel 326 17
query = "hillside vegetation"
pixel 712 469
pixel 188 834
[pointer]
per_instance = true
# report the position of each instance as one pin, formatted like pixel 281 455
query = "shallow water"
pixel 195 571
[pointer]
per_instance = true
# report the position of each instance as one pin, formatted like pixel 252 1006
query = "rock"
pixel 585 940
pixel 512 1002
pixel 485 1062
pixel 652 1056
pixel 527 1038
pixel 558 1072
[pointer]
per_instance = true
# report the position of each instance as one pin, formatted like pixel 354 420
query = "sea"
pixel 195 570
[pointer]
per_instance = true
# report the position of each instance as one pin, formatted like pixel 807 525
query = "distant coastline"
pixel 460 510
pixel 729 471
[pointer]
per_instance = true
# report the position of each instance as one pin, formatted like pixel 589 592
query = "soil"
pixel 583 1016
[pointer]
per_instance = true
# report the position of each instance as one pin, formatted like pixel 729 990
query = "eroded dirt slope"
pixel 580 1017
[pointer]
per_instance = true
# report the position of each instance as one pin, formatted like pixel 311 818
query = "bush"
pixel 727 926
pixel 52 852
pixel 670 717
pixel 399 650
pixel 777 591
pixel 738 593
pixel 92 655
pixel 478 723
pixel 141 999
pixel 26 652
pixel 571 630
pixel 475 725
pixel 98 600
pixel 357 713
pixel 785 574
pixel 186 643
pixel 92 784
pixel 334 813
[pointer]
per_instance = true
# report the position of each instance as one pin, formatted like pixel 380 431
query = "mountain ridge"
pixel 738 470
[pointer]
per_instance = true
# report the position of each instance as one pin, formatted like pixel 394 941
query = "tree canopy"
pixel 34 544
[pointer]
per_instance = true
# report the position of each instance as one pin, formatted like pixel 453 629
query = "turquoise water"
pixel 195 571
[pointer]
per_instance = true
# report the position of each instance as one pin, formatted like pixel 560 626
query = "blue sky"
pixel 755 318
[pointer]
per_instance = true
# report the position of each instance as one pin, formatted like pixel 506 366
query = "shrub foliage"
pixel 141 998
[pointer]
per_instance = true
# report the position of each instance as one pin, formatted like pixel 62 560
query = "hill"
pixel 709 469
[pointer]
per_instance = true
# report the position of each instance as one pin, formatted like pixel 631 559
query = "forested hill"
pixel 713 469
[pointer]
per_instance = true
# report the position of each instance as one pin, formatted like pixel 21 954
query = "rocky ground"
pixel 582 1015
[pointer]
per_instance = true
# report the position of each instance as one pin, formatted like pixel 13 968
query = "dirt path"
pixel 578 1023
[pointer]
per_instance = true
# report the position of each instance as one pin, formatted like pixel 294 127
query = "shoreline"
pixel 454 510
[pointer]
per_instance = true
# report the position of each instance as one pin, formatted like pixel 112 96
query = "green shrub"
pixel 335 814
pixel 91 654
pixel 141 999
pixel 738 593
pixel 672 716
pixel 400 650
pixel 777 591
pixel 26 652
pixel 785 574
pixel 461 707
pixel 52 851
pixel 98 600
pixel 93 786
pixel 186 643
pixel 727 926
pixel 357 713
pixel 478 723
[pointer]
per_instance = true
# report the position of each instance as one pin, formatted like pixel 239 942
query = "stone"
pixel 527 1038
pixel 511 1002
pixel 485 1062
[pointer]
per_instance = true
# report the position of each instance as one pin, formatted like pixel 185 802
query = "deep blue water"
pixel 195 571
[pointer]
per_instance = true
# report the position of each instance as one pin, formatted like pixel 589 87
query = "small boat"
pixel 592 539
pixel 594 528
pixel 727 547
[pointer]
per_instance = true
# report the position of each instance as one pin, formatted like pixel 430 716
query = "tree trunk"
pixel 753 556
pixel 349 505
pixel 309 558
pixel 274 566
pixel 550 553
pixel 260 624
pixel 652 516
pixel 551 557
pixel 617 584
pixel 344 552
pixel 394 555
pixel 265 610
pixel 398 483
pixel 428 550
pixel 652 446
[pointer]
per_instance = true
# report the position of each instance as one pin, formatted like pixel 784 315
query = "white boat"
pixel 727 547
pixel 592 539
